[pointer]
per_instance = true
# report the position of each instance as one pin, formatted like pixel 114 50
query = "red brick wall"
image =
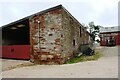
pixel 45 38
pixel 104 36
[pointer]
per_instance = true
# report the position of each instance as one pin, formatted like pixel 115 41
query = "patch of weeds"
pixel 83 58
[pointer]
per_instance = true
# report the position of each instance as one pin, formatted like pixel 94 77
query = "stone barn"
pixel 52 36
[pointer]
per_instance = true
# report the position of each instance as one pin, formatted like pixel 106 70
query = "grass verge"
pixel 83 58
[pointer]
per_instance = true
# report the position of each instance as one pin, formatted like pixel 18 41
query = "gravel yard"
pixel 105 67
pixel 8 64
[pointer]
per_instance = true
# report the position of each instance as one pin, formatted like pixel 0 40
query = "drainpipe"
pixel 39 35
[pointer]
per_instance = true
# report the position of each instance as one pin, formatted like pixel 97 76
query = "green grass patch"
pixel 83 58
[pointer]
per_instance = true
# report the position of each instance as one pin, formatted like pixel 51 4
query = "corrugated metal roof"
pixel 109 29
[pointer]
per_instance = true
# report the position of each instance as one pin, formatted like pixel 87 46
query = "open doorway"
pixel 16 34
pixel 16 40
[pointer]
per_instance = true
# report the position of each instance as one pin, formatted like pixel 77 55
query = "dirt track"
pixel 105 67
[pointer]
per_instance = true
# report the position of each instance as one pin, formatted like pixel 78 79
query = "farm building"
pixel 110 36
pixel 51 36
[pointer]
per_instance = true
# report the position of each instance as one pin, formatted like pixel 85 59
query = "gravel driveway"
pixel 8 64
pixel 105 67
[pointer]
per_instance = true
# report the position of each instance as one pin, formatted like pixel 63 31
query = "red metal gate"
pixel 118 39
pixel 16 51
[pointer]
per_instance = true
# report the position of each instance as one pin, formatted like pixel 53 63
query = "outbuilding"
pixel 51 36
pixel 110 36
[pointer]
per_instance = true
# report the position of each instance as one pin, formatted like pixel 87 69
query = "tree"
pixel 98 41
pixel 94 30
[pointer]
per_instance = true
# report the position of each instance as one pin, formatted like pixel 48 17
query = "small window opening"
pixel 80 32
pixel 73 42
pixel 50 34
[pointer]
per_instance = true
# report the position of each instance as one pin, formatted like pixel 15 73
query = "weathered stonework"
pixel 52 36
pixel 55 37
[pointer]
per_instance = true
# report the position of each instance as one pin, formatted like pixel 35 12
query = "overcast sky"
pixel 102 12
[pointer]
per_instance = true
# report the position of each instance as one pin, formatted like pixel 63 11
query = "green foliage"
pixel 83 58
pixel 98 41
pixel 94 30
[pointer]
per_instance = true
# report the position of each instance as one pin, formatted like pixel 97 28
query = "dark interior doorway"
pixel 16 34
pixel 16 40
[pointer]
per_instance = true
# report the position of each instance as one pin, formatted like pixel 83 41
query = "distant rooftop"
pixel 110 29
